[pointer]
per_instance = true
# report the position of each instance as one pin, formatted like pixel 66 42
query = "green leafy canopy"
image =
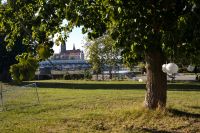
pixel 137 26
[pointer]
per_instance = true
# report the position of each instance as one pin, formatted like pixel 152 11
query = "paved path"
pixel 179 77
pixel 185 77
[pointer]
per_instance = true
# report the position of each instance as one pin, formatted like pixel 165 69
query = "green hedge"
pixel 73 76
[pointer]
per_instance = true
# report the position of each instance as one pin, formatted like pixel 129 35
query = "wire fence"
pixel 12 97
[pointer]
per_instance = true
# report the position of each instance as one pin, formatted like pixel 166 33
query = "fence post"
pixel 1 95
pixel 36 89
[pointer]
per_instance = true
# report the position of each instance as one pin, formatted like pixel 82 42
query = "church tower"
pixel 63 47
pixel 74 47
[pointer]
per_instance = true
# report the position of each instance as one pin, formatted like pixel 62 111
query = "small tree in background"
pixel 87 75
pixel 95 57
pixel 103 53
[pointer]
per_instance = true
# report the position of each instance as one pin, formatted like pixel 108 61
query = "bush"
pixel 73 76
pixel 87 75
pixel 142 67
pixel 25 69
pixel 182 70
pixel 66 76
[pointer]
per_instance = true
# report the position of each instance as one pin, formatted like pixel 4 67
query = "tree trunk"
pixel 110 72
pixel 4 75
pixel 156 93
pixel 103 75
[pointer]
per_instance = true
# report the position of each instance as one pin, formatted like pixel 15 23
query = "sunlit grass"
pixel 102 110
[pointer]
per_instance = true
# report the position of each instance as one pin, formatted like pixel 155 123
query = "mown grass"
pixel 88 106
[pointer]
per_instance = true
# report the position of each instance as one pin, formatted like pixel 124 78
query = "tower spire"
pixel 63 47
pixel 74 47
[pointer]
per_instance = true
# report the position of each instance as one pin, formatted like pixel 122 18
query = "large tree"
pixel 18 43
pixel 140 27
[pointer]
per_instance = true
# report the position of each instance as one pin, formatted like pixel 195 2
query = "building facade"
pixel 74 54
pixel 66 60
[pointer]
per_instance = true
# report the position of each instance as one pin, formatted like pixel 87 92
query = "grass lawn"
pixel 88 106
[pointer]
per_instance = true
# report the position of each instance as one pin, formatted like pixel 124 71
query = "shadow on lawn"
pixel 172 87
pixel 194 107
pixel 146 129
pixel 184 87
pixel 89 86
pixel 174 112
pixel 149 130
pixel 180 113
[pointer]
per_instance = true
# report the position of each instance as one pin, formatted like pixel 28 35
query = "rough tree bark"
pixel 156 93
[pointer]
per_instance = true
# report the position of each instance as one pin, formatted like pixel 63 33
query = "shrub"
pixel 25 69
pixel 182 70
pixel 73 76
pixel 87 75
pixel 66 77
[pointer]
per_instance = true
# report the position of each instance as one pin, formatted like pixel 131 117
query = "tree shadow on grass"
pixel 90 86
pixel 94 86
pixel 146 129
pixel 176 112
pixel 194 107
pixel 191 122
pixel 183 87
pixel 149 130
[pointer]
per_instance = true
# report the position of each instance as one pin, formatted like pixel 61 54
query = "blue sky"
pixel 75 37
